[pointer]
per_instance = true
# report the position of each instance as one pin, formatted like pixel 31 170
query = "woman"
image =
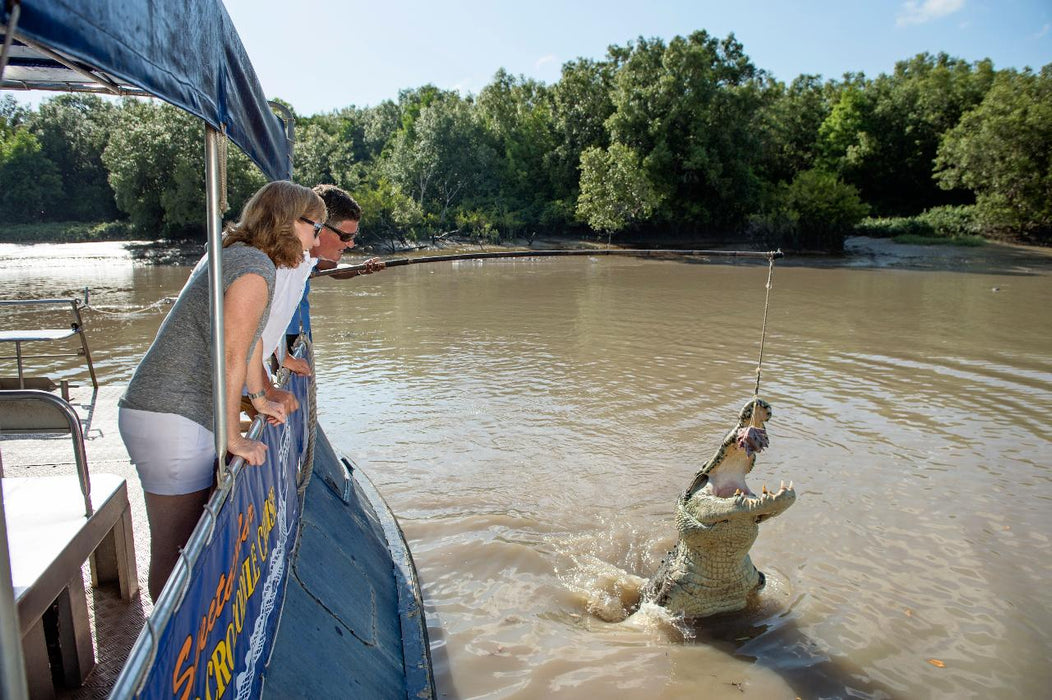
pixel 166 415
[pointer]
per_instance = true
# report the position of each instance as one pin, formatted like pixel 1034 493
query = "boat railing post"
pixel 215 293
pixel 12 664
pixel 289 120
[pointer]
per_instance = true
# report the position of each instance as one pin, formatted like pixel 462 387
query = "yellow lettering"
pixel 221 665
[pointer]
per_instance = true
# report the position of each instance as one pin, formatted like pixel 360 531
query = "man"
pixel 337 235
pixel 290 307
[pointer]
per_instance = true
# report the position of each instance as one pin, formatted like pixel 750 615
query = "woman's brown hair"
pixel 268 218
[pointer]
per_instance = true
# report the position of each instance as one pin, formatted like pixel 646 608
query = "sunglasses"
pixel 345 237
pixel 317 226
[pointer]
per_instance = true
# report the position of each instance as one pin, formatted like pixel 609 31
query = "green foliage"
pixel 883 135
pixel 1002 151
pixel 616 191
pixel 73 131
pixel 790 119
pixel 816 211
pixel 66 232
pixel 685 137
pixel 12 116
pixel 155 160
pixel 845 138
pixel 893 227
pixel 951 222
pixel 581 104
pixel 689 110
pixel 938 225
pixel 322 156
pixel 518 114
pixel 147 147
pixel 387 212
pixel 30 184
pixel 443 159
pixel 478 224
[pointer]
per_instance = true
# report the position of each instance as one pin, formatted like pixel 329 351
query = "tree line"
pixel 685 139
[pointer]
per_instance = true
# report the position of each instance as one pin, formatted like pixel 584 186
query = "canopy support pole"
pixel 215 294
pixel 9 34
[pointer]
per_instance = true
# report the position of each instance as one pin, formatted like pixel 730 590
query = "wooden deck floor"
pixel 115 623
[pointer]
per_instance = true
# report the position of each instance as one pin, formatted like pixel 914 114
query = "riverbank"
pixel 859 252
pixel 994 257
pixel 66 232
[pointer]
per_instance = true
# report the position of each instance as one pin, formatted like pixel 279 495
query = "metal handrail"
pixel 144 652
pixel 77 327
pixel 75 429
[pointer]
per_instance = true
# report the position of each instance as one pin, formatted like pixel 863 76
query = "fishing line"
pixel 633 252
pixel 763 330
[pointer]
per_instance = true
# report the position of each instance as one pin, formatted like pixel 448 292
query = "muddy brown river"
pixel 532 421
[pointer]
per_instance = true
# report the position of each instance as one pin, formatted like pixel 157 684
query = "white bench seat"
pixel 29 336
pixel 50 538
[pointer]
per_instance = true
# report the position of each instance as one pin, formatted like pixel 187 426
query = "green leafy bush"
pixel 893 226
pixel 813 212
pixel 67 232
pixel 952 225
pixel 951 222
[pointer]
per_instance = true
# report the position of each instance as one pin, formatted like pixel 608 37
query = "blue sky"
pixel 328 54
pixel 322 55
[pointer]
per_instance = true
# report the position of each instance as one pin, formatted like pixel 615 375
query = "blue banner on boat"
pixel 219 637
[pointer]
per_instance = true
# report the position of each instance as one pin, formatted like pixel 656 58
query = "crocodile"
pixel 709 570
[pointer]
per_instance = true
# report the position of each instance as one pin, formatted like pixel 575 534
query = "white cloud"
pixel 550 58
pixel 920 11
pixel 1043 32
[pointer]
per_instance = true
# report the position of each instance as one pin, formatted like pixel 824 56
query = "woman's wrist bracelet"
pixel 257 394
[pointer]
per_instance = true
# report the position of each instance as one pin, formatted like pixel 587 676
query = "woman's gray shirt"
pixel 175 375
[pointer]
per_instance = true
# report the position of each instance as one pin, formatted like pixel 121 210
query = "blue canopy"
pixel 186 52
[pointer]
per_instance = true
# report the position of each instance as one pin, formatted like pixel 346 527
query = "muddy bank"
pixel 994 257
pixel 859 251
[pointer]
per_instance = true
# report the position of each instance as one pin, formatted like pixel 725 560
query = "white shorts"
pixel 172 454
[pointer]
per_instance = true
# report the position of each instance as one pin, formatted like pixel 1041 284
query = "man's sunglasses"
pixel 318 226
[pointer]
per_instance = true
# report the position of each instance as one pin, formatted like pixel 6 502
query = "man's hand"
pixel 297 365
pixel 373 265
pixel 370 266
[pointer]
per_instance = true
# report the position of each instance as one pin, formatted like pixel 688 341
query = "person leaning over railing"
pixel 337 235
pixel 166 414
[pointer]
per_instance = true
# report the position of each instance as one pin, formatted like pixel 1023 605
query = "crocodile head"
pixel 718 518
pixel 723 476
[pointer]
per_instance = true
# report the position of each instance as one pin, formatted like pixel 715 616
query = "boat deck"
pixel 115 623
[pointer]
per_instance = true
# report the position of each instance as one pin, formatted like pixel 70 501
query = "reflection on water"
pixel 532 422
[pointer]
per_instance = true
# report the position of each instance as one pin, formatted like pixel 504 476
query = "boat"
pixel 297 581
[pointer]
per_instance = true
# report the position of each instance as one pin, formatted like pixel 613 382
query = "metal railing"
pixel 27 336
pixel 144 653
pixel 62 407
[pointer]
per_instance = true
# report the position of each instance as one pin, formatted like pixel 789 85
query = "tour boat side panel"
pixel 349 597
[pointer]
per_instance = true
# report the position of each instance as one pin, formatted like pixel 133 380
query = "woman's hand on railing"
pixel 253 451
pixel 273 410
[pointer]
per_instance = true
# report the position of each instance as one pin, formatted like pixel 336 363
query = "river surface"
pixel 532 421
